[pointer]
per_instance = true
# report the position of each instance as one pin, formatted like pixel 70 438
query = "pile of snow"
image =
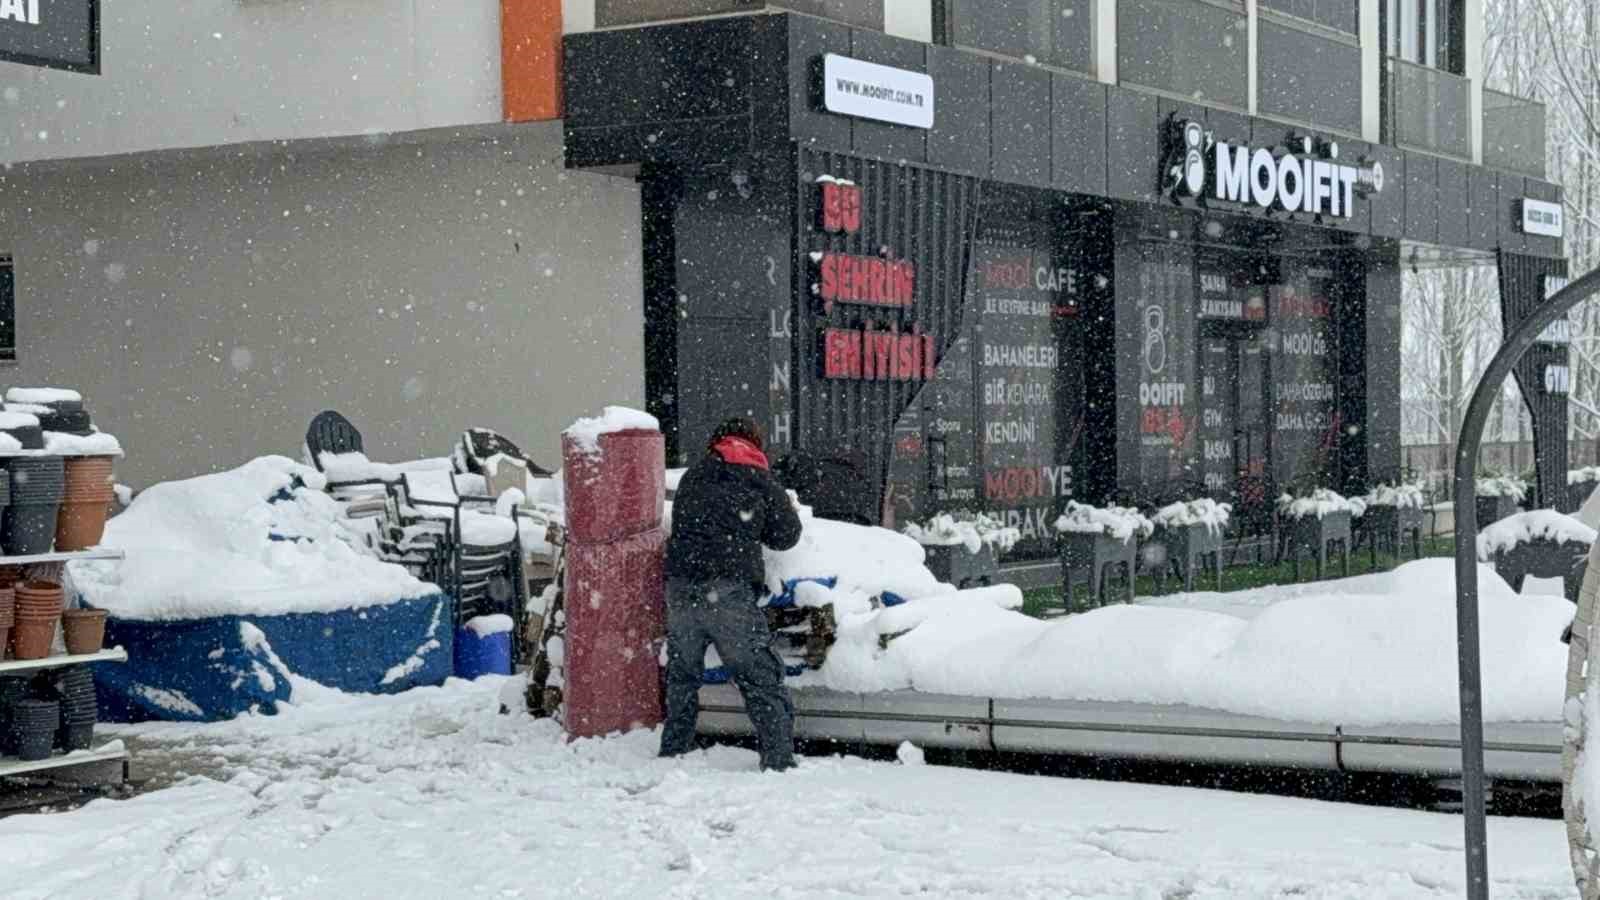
pixel 352 467
pixel 1204 511
pixel 1369 651
pixel 1322 502
pixel 1527 527
pixel 1402 496
pixel 96 444
pixel 1119 522
pixel 42 396
pixel 1503 486
pixel 585 433
pixel 10 419
pixel 485 626
pixel 969 530
pixel 1585 475
pixel 262 539
pixel 865 561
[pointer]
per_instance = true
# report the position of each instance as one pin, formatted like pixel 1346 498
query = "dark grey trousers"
pixel 724 614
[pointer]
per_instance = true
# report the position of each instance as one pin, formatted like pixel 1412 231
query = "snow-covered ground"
pixel 432 794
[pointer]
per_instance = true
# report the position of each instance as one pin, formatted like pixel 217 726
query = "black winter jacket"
pixel 722 515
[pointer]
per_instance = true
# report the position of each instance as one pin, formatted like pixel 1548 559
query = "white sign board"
pixel 1539 217
pixel 853 87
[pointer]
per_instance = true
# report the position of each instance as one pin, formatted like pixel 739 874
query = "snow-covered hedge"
pixel 1403 496
pixel 1503 486
pixel 1320 502
pixel 1120 522
pixel 1585 475
pixel 1204 511
pixel 965 528
pixel 1525 528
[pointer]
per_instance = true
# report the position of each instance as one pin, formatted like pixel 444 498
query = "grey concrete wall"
pixel 192 73
pixel 208 307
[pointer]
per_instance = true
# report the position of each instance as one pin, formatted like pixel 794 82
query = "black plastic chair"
pixel 331 432
pixel 480 444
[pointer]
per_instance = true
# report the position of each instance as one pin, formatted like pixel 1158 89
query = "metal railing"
pixel 1429 110
pixel 1513 133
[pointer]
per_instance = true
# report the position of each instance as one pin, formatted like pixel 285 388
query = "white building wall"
pixel 209 304
pixel 193 73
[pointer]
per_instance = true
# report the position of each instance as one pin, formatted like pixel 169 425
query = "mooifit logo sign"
pixel 1309 181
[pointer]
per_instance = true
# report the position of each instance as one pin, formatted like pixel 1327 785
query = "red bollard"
pixel 615 591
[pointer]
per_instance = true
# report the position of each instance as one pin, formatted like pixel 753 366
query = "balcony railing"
pixel 609 13
pixel 1513 133
pixel 1429 110
pixel 1187 48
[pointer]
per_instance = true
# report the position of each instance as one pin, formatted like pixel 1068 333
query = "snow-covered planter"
pixel 1316 521
pixel 1096 538
pixel 963 547
pixel 1539 544
pixel 1580 484
pixel 1190 532
pixel 1320 504
pixel 1499 496
pixel 1118 522
pixel 1395 511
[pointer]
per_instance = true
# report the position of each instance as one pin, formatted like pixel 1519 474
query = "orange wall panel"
pixel 530 59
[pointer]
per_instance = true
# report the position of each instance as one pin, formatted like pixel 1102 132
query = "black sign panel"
pixel 1306 411
pixel 59 34
pixel 1167 363
pixel 1023 299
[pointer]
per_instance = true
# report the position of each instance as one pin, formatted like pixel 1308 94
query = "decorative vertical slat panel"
pixel 1522 289
pixel 909 213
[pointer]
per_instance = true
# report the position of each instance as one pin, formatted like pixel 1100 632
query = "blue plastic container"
pixel 487 655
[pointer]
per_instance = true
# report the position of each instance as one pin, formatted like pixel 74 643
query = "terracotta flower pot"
pixel 32 639
pixel 8 607
pixel 5 642
pixel 89 471
pixel 85 630
pixel 82 522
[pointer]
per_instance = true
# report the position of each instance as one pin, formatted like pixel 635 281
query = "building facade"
pixel 1027 252
pixel 257 211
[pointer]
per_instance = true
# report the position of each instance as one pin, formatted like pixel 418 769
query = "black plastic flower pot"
pixel 26 530
pixel 76 737
pixel 31 473
pixel 67 422
pixel 33 746
pixel 65 405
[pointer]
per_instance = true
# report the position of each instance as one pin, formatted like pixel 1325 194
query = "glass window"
pixel 1052 32
pixel 1424 32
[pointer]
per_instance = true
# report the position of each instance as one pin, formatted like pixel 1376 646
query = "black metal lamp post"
pixel 1466 509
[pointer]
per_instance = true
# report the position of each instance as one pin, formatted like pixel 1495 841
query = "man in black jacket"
pixel 726 508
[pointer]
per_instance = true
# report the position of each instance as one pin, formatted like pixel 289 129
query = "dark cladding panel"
pixel 1133 128
pixel 723 372
pixel 920 222
pixel 1228 126
pixel 677 144
pixel 1422 197
pixel 959 140
pixel 1455 222
pixel 1483 193
pixel 1021 118
pixel 1389 206
pixel 1525 282
pixel 1186 48
pixel 881 139
pixel 668 73
pixel 1538 244
pixel 1509 217
pixel 1079 135
pixel 1382 357
pixel 810 40
pixel 1351 153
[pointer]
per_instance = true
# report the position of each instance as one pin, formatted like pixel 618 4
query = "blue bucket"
pixel 487 655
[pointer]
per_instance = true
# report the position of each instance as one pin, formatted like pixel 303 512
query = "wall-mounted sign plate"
pixel 853 87
pixel 1539 217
